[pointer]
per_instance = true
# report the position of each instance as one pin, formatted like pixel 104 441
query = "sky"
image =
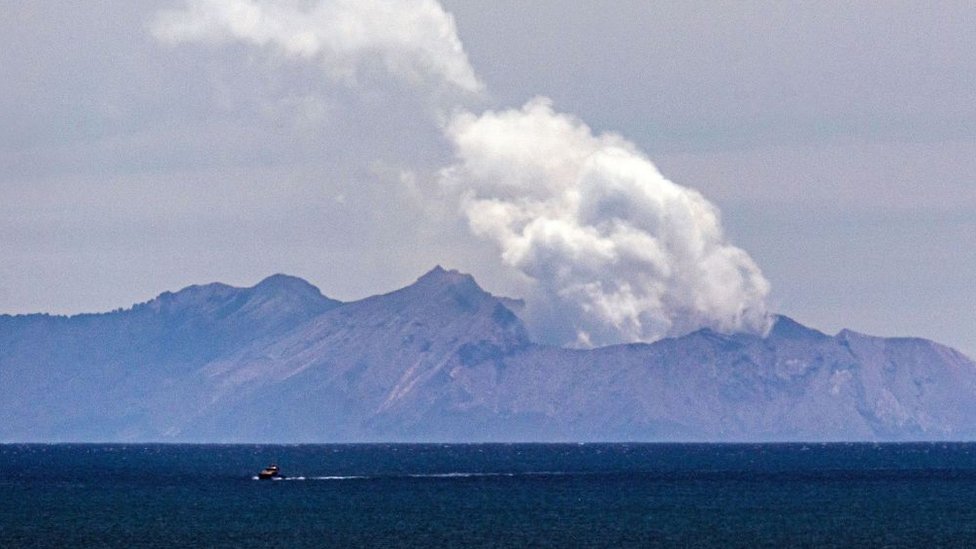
pixel 145 146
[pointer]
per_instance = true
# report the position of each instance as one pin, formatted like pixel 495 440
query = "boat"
pixel 270 472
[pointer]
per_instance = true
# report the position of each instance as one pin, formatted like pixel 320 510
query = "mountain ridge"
pixel 443 360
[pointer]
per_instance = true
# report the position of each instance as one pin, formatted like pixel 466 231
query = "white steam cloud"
pixel 414 39
pixel 618 253
pixel 614 252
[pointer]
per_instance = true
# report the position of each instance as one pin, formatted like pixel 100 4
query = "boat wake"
pixel 332 477
pixel 426 475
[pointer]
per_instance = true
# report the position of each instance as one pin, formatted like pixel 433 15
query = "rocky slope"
pixel 444 360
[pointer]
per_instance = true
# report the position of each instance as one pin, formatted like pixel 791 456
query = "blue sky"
pixel 838 141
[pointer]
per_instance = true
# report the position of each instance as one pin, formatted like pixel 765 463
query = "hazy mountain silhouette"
pixel 444 360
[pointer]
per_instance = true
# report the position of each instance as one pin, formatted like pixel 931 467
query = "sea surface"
pixel 494 495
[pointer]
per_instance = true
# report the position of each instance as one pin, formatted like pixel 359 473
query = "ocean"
pixel 488 495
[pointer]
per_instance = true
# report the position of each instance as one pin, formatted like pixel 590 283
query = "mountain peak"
pixel 786 327
pixel 439 279
pixel 282 283
pixel 281 279
pixel 445 297
pixel 276 295
pixel 440 275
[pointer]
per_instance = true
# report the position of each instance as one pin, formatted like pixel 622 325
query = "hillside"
pixel 444 360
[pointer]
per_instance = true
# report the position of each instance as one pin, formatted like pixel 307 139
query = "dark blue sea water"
pixel 599 495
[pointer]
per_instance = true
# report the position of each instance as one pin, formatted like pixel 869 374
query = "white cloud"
pixel 617 252
pixel 413 39
pixel 613 251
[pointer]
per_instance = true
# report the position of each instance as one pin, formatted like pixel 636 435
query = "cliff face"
pixel 444 360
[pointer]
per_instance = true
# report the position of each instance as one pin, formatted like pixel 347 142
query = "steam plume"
pixel 614 251
pixel 414 39
pixel 617 252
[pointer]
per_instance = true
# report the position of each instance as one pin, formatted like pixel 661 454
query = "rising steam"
pixel 415 40
pixel 613 250
pixel 618 253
